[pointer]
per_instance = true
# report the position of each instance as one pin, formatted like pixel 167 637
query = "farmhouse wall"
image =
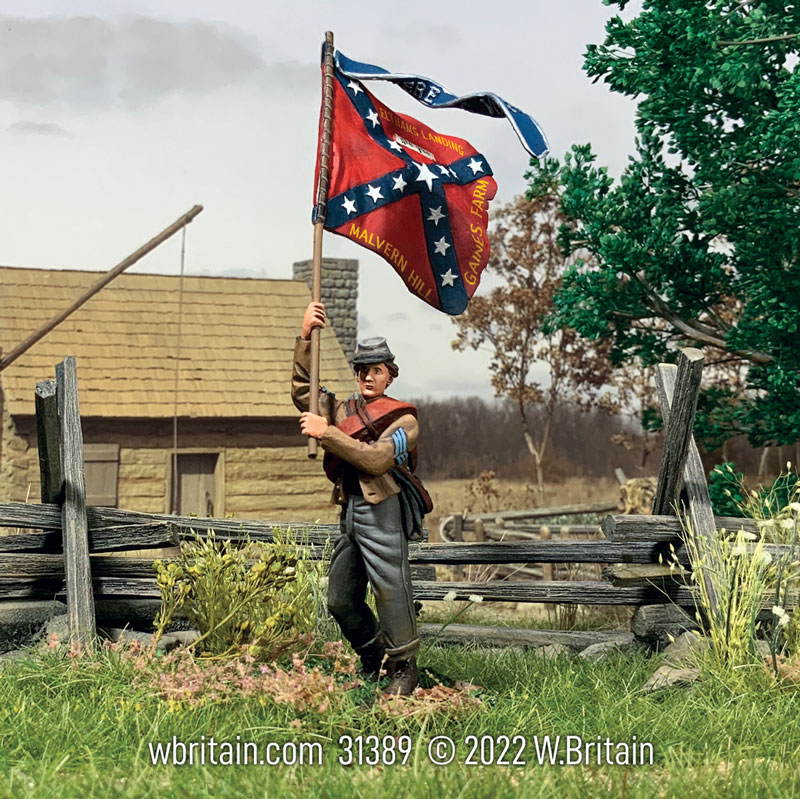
pixel 267 472
pixel 13 459
pixel 339 294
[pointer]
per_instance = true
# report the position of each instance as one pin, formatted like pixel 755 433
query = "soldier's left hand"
pixel 312 425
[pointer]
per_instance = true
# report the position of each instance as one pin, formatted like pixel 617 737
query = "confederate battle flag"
pixel 416 197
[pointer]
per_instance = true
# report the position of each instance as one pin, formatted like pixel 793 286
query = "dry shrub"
pixel 261 604
pixel 486 494
pixel 309 685
pixel 636 495
pixel 439 700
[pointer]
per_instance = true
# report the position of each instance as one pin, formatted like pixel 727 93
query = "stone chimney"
pixel 339 295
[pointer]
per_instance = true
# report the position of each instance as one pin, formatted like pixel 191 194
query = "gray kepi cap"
pixel 372 350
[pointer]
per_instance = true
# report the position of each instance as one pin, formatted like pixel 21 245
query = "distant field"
pixel 453 496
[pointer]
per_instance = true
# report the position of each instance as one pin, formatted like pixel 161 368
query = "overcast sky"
pixel 117 117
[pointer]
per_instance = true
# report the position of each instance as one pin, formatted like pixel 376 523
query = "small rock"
pixel 58 626
pixel 22 621
pixel 12 655
pixel 763 650
pixel 685 648
pixel 185 637
pixel 171 641
pixel 669 677
pixel 552 651
pixel 658 625
pixel 603 649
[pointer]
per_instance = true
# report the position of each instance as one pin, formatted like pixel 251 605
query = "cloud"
pixel 88 62
pixel 292 76
pixel 436 34
pixel 39 128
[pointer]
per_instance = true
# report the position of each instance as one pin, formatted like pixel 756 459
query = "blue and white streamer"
pixel 434 95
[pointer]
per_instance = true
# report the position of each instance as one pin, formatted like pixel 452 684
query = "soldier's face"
pixel 373 380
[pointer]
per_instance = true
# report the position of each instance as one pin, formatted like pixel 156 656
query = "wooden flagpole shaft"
pixel 319 223
pixel 20 349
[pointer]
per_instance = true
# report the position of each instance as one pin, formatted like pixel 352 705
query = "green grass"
pixel 70 729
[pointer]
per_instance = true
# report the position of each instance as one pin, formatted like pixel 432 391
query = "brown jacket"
pixel 373 461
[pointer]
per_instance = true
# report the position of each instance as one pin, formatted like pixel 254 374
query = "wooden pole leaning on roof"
pixel 320 215
pixel 20 349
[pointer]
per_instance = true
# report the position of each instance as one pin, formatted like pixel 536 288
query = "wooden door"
pixel 101 468
pixel 195 487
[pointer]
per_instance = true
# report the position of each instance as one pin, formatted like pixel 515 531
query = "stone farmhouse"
pixel 221 389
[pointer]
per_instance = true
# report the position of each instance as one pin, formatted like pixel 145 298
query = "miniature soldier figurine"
pixel 370 445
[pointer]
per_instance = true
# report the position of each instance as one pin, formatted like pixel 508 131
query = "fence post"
pixel 47 438
pixel 74 527
pixel 678 388
pixel 548 569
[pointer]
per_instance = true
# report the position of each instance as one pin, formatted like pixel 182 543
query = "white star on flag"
pixel 441 246
pixel 443 169
pixel 349 205
pixel 373 118
pixel 425 176
pixel 448 278
pixel 475 166
pixel 399 183
pixel 355 87
pixel 394 145
pixel 374 192
pixel 436 215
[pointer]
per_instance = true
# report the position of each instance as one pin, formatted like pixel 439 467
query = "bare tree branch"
pixel 700 333
pixel 765 40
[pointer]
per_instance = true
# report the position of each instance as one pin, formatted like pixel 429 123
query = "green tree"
pixel 698 240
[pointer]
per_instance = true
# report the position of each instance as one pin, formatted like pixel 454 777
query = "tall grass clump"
pixel 253 596
pixel 741 574
pixel 755 583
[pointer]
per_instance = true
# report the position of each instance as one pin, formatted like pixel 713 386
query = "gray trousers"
pixel 372 548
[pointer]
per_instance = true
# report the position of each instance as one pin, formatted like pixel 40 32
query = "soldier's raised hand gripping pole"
pixel 320 212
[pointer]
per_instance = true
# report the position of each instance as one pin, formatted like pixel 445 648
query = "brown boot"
pixel 404 679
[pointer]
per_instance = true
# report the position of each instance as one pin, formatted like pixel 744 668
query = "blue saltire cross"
pixel 425 180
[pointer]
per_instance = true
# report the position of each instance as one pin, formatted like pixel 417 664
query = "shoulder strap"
pixel 381 414
pixel 350 406
pixel 368 422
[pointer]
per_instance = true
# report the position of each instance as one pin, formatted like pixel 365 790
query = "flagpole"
pixel 319 224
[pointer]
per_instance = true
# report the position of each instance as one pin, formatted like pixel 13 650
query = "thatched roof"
pixel 237 338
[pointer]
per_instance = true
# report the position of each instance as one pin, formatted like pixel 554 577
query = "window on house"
pixel 195 484
pixel 102 474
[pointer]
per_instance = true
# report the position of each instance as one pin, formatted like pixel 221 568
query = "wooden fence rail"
pixel 124 529
pixel 65 556
pixel 454 528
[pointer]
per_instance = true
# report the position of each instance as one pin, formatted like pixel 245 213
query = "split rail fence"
pixel 69 554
